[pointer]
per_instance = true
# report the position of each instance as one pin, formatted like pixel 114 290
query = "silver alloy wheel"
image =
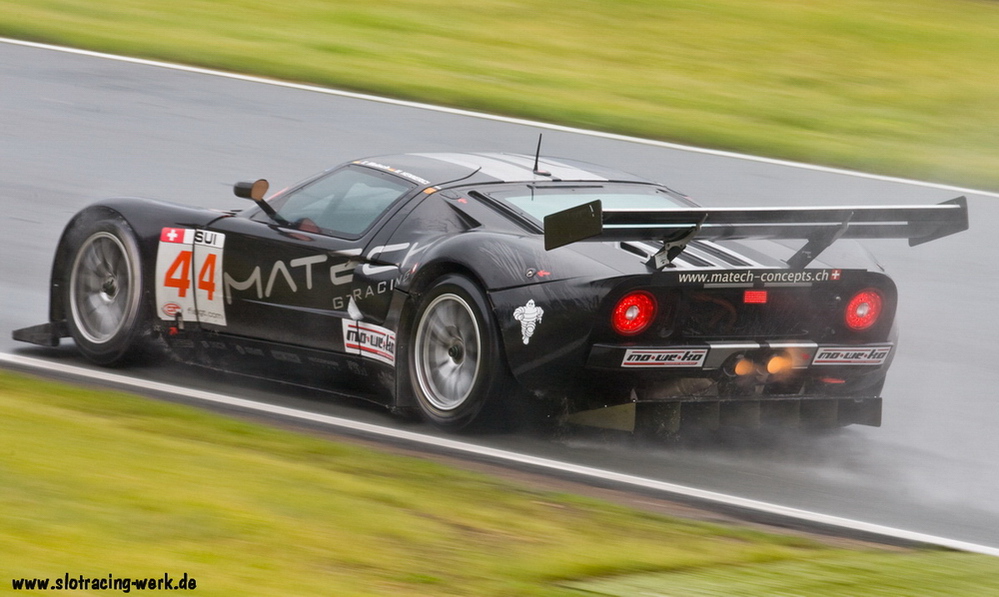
pixel 101 292
pixel 448 345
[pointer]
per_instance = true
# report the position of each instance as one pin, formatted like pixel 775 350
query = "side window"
pixel 344 203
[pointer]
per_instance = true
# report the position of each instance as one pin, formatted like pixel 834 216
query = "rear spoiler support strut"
pixel 817 243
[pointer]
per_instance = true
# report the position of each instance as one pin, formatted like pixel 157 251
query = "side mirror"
pixel 251 190
pixel 256 191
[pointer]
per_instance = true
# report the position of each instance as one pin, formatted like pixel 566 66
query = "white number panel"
pixel 189 276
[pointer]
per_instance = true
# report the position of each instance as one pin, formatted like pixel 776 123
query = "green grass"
pixel 909 88
pixel 97 483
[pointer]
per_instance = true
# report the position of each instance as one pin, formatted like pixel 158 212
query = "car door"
pixel 291 280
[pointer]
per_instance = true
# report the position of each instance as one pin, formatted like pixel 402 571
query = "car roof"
pixel 439 169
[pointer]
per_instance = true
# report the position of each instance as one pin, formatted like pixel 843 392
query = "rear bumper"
pixel 689 359
pixel 785 384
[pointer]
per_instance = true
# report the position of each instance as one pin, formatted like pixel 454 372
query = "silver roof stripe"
pixel 490 167
pixel 564 171
pixel 510 167
pixel 701 255
pixel 736 257
pixel 691 258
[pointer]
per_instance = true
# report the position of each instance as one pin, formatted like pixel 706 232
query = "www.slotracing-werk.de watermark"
pixel 66 582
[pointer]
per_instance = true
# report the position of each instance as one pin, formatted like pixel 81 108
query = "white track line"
pixel 106 377
pixel 518 121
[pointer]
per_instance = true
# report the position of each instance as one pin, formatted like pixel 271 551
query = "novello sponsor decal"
pixel 369 340
pixel 664 357
pixel 852 355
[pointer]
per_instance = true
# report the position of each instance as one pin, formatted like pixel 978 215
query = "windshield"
pixel 345 202
pixel 539 202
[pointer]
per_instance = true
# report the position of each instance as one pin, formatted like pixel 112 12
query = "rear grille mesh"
pixel 716 314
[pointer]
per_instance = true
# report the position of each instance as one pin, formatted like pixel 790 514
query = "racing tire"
pixel 103 290
pixel 454 357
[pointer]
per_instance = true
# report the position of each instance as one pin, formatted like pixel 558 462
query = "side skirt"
pixel 346 375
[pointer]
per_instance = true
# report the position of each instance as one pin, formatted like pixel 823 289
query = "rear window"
pixel 538 202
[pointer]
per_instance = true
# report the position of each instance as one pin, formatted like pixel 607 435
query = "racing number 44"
pixel 178 275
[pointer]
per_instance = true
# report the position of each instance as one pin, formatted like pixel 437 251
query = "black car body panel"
pixel 667 312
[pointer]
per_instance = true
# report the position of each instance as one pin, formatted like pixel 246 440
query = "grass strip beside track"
pixel 905 89
pixel 98 483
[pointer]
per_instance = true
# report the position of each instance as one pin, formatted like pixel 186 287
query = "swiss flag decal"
pixel 172 235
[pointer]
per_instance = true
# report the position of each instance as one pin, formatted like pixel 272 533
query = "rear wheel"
pixel 103 291
pixel 454 356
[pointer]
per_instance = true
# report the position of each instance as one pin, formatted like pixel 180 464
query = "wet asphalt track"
pixel 75 128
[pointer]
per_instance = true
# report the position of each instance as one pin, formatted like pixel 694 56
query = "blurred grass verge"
pixel 908 89
pixel 97 482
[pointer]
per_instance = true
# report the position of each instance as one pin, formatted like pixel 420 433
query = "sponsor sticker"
pixel 664 357
pixel 773 277
pixel 529 317
pixel 407 175
pixel 369 340
pixel 171 310
pixel 852 355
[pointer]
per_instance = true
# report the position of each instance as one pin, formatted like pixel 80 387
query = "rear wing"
pixel 819 226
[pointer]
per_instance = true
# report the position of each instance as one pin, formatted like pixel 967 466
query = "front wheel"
pixel 103 291
pixel 455 362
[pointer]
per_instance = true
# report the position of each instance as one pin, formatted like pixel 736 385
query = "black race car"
pixel 449 284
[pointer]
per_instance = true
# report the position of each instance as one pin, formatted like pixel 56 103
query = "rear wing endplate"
pixel 818 226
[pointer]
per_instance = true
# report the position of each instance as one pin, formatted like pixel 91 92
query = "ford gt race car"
pixel 465 286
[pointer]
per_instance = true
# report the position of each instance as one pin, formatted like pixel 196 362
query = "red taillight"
pixel 633 313
pixel 754 297
pixel 863 310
